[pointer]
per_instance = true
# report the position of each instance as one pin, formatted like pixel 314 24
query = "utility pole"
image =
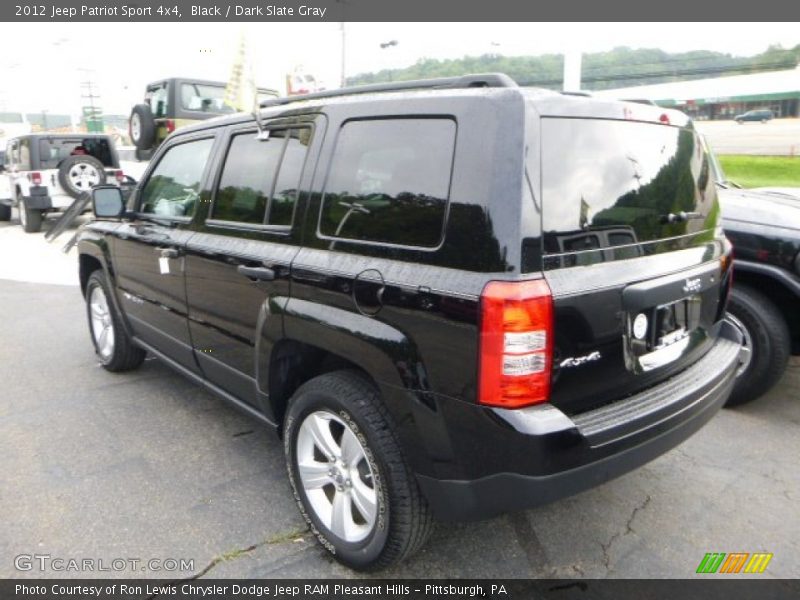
pixel 91 114
pixel 343 82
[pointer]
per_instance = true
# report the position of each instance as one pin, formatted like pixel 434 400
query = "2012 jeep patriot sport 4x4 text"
pixel 452 298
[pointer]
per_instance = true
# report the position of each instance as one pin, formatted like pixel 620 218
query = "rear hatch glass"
pixel 629 214
pixel 52 151
pixel 611 189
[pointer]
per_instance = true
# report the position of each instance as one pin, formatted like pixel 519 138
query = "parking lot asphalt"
pixel 147 465
pixel 779 137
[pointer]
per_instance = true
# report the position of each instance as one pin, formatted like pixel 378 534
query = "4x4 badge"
pixel 579 360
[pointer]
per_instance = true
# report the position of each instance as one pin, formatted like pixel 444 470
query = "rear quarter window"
pixel 389 181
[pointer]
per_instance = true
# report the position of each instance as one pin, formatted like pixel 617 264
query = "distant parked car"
pixel 762 115
pixel 765 230
pixel 42 173
pixel 173 103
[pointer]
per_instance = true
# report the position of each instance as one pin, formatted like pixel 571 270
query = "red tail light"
pixel 516 343
pixel 664 118
pixel 120 176
pixel 170 125
pixel 36 178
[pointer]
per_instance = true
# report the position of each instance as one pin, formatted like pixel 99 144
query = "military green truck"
pixel 170 104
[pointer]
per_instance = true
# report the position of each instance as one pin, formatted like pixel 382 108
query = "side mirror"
pixel 107 202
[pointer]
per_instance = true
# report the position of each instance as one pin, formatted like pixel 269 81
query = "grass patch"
pixel 762 171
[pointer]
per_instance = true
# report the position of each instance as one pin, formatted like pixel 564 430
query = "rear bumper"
pixel 42 198
pixel 38 198
pixel 551 455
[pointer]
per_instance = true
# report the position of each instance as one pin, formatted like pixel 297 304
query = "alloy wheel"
pixel 336 476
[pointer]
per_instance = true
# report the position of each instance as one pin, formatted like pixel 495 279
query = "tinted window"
pixel 247 178
pixel 622 180
pixel 174 185
pixel 389 181
pixel 251 176
pixel 281 208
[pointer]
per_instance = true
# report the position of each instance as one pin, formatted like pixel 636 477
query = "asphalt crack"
pixel 236 553
pixel 620 534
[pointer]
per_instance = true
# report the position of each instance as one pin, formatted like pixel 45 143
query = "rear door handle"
pixel 262 273
pixel 170 253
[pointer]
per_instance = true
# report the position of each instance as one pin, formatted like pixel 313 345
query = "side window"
pixel 156 97
pixel 12 157
pixel 24 155
pixel 389 181
pixel 173 187
pixel 260 178
pixel 284 198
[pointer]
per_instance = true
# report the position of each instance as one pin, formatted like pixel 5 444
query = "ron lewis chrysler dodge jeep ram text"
pixel 452 298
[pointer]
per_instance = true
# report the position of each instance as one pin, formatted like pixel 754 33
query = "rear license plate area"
pixel 668 327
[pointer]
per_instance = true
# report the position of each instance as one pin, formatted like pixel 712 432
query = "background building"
pixel 723 97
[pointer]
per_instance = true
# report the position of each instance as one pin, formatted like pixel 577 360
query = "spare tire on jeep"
pixel 80 173
pixel 142 127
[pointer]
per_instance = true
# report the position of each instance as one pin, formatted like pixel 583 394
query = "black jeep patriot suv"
pixel 452 298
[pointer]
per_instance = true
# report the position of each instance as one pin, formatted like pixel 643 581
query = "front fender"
pixel 93 243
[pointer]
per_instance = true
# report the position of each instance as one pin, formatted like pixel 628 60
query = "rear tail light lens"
pixel 516 342
pixel 120 176
pixel 170 125
pixel 36 178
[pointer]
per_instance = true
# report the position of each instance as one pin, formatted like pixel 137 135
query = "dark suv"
pixel 765 230
pixel 453 298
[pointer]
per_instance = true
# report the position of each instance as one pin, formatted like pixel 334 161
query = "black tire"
pixel 5 212
pixel 70 170
pixel 125 355
pixel 404 520
pixel 142 154
pixel 770 343
pixel 145 137
pixel 30 218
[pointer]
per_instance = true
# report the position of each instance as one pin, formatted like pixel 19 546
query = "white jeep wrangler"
pixel 45 172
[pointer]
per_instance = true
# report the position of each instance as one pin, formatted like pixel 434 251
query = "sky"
pixel 40 63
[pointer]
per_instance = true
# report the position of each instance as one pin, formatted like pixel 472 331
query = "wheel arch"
pixel 94 254
pixel 781 295
pixel 314 339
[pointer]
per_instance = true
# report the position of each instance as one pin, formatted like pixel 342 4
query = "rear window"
pixel 389 181
pixel 609 187
pixel 54 150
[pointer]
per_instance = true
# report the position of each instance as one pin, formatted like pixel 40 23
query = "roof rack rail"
pixel 485 80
